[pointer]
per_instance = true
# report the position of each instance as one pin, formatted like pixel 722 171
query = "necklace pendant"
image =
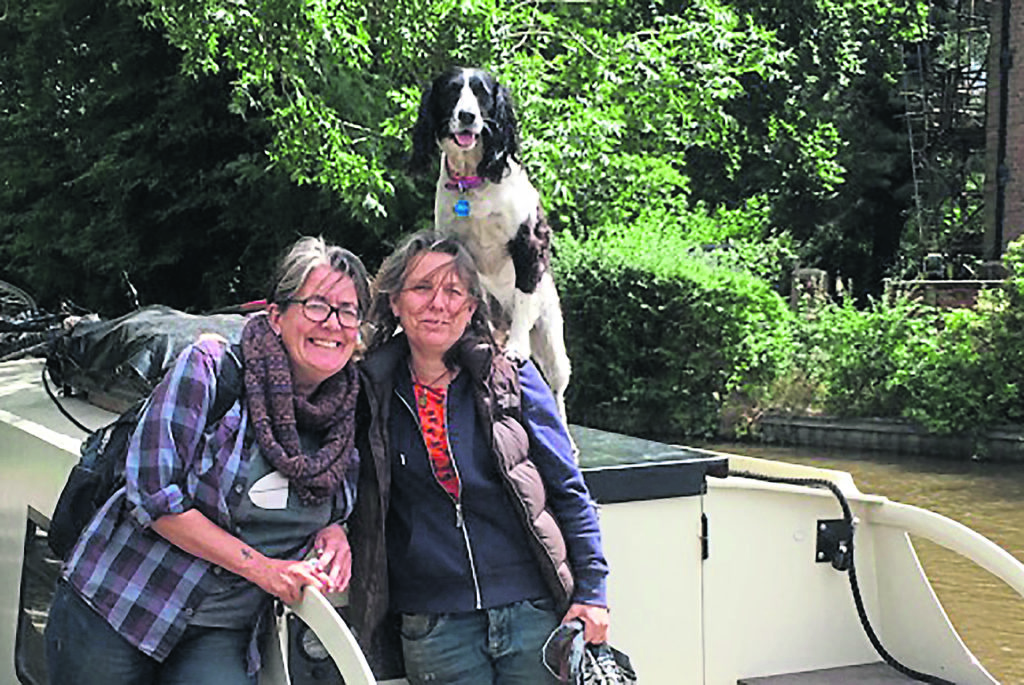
pixel 462 207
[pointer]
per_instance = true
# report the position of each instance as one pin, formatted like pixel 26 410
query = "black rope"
pixel 854 585
pixel 60 406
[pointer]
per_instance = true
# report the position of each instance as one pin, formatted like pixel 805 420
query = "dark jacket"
pixel 517 503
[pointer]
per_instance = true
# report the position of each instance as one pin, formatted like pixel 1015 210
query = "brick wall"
pixel 1013 218
pixel 945 294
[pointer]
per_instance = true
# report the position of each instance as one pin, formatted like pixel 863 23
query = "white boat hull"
pixel 714 580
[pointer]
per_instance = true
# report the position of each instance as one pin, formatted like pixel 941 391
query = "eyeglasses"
pixel 453 296
pixel 318 311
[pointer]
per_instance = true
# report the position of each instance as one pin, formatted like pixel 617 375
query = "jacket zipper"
pixel 460 521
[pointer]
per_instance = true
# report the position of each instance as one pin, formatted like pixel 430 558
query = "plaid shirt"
pixel 145 587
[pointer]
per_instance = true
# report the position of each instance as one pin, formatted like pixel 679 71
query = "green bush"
pixel 663 333
pixel 963 371
pixel 658 335
pixel 859 350
pixel 945 375
pixel 1001 333
pixel 950 371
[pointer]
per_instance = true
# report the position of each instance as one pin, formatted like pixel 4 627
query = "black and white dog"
pixel 485 198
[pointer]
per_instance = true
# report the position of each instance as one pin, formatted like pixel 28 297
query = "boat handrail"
pixel 955 537
pixel 322 617
pixel 781 469
pixel 738 465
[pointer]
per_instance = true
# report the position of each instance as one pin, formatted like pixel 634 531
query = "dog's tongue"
pixel 465 138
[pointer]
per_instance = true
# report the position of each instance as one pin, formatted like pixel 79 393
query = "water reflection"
pixel 986 497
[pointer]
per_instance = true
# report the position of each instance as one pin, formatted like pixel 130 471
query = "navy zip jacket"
pixel 434 565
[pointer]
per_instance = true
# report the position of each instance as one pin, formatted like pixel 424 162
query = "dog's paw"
pixel 518 348
pixel 531 251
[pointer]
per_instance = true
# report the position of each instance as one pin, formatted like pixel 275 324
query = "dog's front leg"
pixel 522 318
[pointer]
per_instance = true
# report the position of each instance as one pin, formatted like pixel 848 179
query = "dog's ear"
pixel 501 143
pixel 424 135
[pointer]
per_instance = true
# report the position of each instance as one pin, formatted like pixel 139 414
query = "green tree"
pixel 185 143
pixel 845 189
pixel 115 164
pixel 631 113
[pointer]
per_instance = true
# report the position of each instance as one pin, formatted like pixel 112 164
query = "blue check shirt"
pixel 145 587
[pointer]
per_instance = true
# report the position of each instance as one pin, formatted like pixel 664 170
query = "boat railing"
pixel 912 520
pixel 320 615
pixel 955 537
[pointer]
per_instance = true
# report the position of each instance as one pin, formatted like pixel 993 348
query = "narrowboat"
pixel 725 569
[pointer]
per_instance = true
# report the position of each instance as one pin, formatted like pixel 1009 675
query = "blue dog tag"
pixel 462 208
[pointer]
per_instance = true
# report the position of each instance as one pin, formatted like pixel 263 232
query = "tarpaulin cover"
pixel 119 361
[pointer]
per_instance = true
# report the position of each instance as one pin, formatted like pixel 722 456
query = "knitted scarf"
pixel 277 414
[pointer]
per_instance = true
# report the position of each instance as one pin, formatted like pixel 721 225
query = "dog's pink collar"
pixel 462 183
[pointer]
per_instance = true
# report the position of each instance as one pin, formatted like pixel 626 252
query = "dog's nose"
pixel 466 117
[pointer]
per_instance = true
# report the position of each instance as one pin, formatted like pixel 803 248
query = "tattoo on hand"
pixel 246 553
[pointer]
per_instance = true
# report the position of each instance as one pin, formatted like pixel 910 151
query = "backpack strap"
pixel 229 383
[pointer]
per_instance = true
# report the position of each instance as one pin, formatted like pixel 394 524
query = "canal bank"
pixel 886 435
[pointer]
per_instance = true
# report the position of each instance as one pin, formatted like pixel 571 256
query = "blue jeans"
pixel 500 646
pixel 83 649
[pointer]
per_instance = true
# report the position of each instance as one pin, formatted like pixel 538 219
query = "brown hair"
pixel 390 280
pixel 307 254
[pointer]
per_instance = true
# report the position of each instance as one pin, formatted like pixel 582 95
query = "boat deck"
pixel 877 673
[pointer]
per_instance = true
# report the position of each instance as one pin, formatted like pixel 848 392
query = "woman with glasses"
pixel 474 535
pixel 173 580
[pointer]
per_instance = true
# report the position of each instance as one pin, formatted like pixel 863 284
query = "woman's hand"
pixel 334 557
pixel 284 578
pixel 595 621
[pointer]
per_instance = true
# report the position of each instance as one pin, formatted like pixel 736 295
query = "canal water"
pixel 988 497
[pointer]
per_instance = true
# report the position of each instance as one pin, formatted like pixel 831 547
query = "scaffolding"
pixel 944 93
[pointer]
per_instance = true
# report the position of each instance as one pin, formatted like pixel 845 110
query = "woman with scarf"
pixel 172 582
pixel 474 535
